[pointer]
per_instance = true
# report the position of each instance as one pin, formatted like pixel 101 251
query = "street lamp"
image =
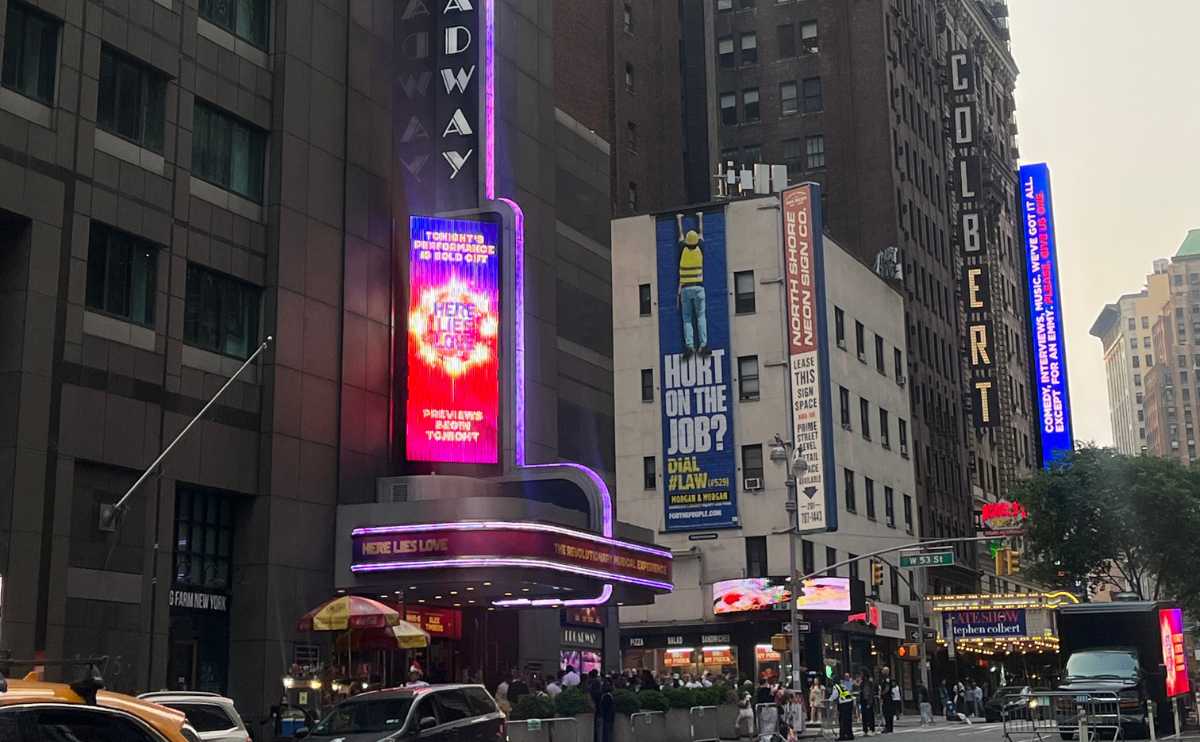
pixel 785 454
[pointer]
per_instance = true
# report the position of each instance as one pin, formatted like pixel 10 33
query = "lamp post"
pixel 784 453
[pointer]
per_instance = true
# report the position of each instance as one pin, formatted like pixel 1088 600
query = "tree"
pixel 1121 522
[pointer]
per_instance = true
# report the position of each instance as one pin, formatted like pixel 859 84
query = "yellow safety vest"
pixel 691 266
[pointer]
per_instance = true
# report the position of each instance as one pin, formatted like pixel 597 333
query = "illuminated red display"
pixel 453 341
pixel 1170 629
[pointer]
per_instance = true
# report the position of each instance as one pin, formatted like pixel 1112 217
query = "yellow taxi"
pixel 32 709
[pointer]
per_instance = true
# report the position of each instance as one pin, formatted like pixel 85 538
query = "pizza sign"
pixel 1003 517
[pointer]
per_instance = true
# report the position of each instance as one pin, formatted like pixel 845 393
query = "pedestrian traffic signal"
pixel 909 651
pixel 876 573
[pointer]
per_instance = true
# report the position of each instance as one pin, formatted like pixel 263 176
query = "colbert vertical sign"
pixel 976 289
pixel 1045 313
pixel 808 366
pixel 436 99
pixel 699 467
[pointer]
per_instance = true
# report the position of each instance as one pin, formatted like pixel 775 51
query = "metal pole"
pixel 795 582
pixel 115 510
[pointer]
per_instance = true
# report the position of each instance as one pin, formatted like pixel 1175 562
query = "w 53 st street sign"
pixel 927 559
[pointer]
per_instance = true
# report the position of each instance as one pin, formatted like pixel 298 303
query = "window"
pixel 748 377
pixel 814 148
pixel 203 538
pixel 30 52
pixel 132 100
pixel 227 152
pixel 851 496
pixel 808 36
pixel 644 300
pixel 729 109
pixel 245 18
pixel 81 723
pixel 844 398
pixel 902 430
pixel 853 566
pixel 808 560
pixel 752 462
pixel 749 48
pixel 1132 323
pixel 750 105
pixel 1145 323
pixel 1150 361
pixel 884 429
pixel 745 4
pixel 647 385
pixel 830 560
pixel 793 159
pixel 205 717
pixel 860 342
pixel 121 274
pixel 1137 379
pixel 631 136
pixel 1137 362
pixel 631 196
pixel 724 4
pixel 889 506
pixel 811 89
pixel 220 312
pixel 908 521
pixel 629 76
pixel 725 52
pixel 628 15
pixel 864 417
pixel 649 473
pixel 880 365
pixel 869 491
pixel 743 292
pixel 1133 343
pixel 898 359
pixel 839 326
pixel 895 584
pixel 756 556
pixel 786 34
pixel 751 153
pixel 787 100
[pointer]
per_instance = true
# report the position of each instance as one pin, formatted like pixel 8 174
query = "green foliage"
pixel 680 698
pixel 626 702
pixel 714 696
pixel 653 700
pixel 572 702
pixel 533 707
pixel 1116 522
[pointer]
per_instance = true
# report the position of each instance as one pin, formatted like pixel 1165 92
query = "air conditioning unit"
pixel 901 381
pixel 846 426
pixel 842 343
pixel 862 356
pixel 749 484
pixel 903 450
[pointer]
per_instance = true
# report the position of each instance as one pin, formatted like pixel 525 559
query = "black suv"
pixel 436 713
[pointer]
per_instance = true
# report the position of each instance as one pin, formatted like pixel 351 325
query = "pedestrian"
pixel 793 713
pixel 816 701
pixel 415 681
pixel 866 702
pixel 570 677
pixel 606 710
pixel 886 686
pixel 502 697
pixel 554 687
pixel 845 698
pixel 516 689
pixel 943 695
pixel 706 680
pixel 744 724
pixel 648 681
pixel 922 694
pixel 978 689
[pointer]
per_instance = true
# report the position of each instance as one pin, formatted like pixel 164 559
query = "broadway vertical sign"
pixel 808 367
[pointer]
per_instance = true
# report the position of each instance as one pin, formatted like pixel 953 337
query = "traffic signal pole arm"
pixel 890 549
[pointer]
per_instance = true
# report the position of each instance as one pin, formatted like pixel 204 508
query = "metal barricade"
pixel 558 729
pixel 648 726
pixel 766 722
pixel 1086 716
pixel 702 722
pixel 829 718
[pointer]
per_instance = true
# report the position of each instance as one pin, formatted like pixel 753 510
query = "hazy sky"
pixel 1109 96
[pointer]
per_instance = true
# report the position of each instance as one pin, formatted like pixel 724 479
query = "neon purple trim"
pixel 606 506
pixel 518 331
pixel 484 525
pixel 468 562
pixel 489 100
pixel 605 594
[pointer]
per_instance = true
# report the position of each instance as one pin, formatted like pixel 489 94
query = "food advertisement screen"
pixel 453 370
pixel 768 593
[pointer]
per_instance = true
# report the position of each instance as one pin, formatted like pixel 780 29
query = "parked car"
pixel 37 710
pixel 1009 694
pixel 436 713
pixel 212 715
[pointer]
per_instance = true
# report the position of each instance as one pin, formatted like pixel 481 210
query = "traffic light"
pixel 1013 561
pixel 909 651
pixel 876 573
pixel 1001 559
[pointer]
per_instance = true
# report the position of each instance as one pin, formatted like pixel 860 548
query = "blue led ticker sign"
pixel 1045 313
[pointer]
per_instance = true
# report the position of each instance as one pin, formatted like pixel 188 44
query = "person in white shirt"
pixel 414 680
pixel 554 687
pixel 571 678
pixel 706 679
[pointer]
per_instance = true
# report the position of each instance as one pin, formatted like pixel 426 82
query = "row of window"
pixel 864 421
pixel 799 155
pixel 131 101
pixel 747 43
pixel 850 495
pixel 220 311
pixel 757 564
pixel 860 347
pixel 803 97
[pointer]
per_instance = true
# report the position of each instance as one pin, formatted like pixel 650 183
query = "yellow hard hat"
pixel 692 238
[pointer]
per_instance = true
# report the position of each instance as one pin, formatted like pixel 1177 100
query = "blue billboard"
pixel 699 461
pixel 1045 313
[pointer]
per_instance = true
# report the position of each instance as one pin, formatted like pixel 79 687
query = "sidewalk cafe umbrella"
pixel 348 612
pixel 403 635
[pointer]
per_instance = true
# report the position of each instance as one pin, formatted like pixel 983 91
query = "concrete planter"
pixel 640 727
pixel 727 720
pixel 576 729
pixel 587 728
pixel 679 725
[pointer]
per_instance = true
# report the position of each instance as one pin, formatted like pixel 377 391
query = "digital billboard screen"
pixel 1170 627
pixel 1045 313
pixel 453 401
pixel 772 593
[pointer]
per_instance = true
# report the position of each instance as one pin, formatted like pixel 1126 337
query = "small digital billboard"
pixel 772 593
pixel 453 374
pixel 1170 627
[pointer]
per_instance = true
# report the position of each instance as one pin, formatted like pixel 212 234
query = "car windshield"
pixel 358 717
pixel 1117 664
pixel 205 717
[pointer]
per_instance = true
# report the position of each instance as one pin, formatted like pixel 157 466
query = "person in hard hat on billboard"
pixel 690 296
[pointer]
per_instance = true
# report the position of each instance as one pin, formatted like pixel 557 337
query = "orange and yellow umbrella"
pixel 348 612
